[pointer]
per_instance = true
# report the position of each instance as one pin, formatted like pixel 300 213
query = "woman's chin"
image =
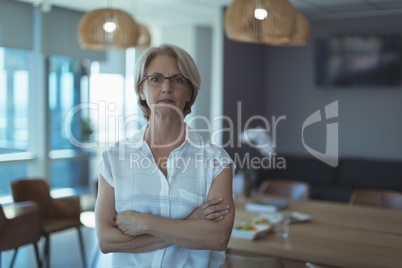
pixel 168 110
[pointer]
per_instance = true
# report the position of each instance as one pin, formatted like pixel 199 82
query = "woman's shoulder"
pixel 198 142
pixel 127 144
pixel 217 152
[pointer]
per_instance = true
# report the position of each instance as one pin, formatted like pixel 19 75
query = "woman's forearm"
pixel 198 233
pixel 191 234
pixel 112 239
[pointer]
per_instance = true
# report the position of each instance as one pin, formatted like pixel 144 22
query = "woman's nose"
pixel 166 86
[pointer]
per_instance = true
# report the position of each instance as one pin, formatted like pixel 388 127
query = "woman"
pixel 165 197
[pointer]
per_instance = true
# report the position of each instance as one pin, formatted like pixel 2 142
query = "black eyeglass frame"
pixel 161 76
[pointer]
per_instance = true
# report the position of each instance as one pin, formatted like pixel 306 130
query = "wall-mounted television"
pixel 359 61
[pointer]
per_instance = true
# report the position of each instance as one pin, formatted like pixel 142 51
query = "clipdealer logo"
pixel 116 127
pixel 330 156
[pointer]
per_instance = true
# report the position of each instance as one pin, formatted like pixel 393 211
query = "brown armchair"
pixel 378 198
pixel 19 227
pixel 292 189
pixel 56 214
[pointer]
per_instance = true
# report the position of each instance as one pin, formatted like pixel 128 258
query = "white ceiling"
pixel 203 11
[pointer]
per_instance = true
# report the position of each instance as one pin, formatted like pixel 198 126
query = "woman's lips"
pixel 166 101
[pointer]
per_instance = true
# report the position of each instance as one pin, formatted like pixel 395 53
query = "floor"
pixel 65 252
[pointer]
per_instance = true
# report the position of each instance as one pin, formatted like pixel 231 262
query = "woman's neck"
pixel 165 132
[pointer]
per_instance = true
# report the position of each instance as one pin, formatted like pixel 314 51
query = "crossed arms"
pixel 207 227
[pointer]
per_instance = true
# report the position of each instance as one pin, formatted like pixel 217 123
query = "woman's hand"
pixel 213 209
pixel 134 223
pixel 131 222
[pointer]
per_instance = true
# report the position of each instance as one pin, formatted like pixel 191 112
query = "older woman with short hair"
pixel 165 198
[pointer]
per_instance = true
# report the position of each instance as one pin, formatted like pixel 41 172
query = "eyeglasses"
pixel 176 81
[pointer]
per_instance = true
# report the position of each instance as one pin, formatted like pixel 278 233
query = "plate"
pixel 250 235
pixel 257 231
pixel 296 216
pixel 266 205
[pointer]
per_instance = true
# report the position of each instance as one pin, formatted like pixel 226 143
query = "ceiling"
pixel 204 11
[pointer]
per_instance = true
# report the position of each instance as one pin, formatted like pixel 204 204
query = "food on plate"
pixel 261 221
pixel 247 226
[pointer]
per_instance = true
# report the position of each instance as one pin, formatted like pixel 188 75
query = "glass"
pixel 14 92
pixel 282 227
pixel 176 81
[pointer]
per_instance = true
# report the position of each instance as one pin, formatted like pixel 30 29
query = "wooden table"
pixel 339 235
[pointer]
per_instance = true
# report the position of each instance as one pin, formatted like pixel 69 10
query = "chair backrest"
pixel 22 227
pixel 292 189
pixel 33 190
pixel 378 198
pixel 239 261
pixel 3 219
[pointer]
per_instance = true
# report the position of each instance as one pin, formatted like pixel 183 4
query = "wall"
pixel 114 62
pixel 244 89
pixel 204 60
pixel 59 35
pixel 20 16
pixel 369 119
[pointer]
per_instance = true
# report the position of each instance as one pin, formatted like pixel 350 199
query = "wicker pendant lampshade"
pixel 107 28
pixel 260 21
pixel 301 32
pixel 144 40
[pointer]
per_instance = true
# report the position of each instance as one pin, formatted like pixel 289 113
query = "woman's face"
pixel 167 97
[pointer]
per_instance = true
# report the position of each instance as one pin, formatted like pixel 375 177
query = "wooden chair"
pixel 21 227
pixel 378 198
pixel 292 189
pixel 56 214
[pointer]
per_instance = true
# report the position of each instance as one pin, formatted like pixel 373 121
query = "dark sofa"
pixel 338 184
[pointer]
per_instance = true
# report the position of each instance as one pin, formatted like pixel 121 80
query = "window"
pixel 64 95
pixel 67 84
pixel 39 96
pixel 9 173
pixel 14 78
pixel 116 115
pixel 69 173
pixel 72 94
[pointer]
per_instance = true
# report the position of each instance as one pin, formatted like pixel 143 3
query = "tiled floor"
pixel 64 250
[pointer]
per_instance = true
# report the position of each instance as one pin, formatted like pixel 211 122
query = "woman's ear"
pixel 142 95
pixel 189 95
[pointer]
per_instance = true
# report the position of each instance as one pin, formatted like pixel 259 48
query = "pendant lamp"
pixel 144 39
pixel 105 28
pixel 301 32
pixel 260 21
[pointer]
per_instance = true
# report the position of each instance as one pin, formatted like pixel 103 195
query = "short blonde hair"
pixel 186 66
